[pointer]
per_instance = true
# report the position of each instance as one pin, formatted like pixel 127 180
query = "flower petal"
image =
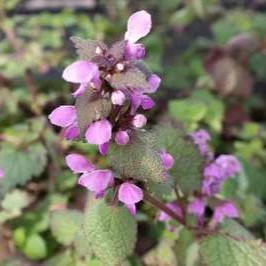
pixel 197 207
pixel 229 165
pixel 163 217
pixel 97 181
pixel 134 51
pixel 227 209
pixel 71 132
pixel 154 82
pixel 81 71
pixel 129 193
pixel 121 137
pixel 78 163
pixel 99 132
pixel 81 90
pixel 103 148
pixel 63 116
pixel 131 208
pixel 138 25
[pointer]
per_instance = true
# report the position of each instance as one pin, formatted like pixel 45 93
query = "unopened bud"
pixel 98 50
pixel 120 67
pixel 139 121
pixel 118 97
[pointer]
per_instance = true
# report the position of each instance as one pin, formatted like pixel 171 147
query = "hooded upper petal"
pixel 197 207
pixel 229 165
pixel 226 209
pixel 78 163
pixel 81 71
pixel 71 132
pixel 121 137
pixel 99 132
pixel 63 116
pixel 129 193
pixel 103 148
pixel 97 181
pixel 138 25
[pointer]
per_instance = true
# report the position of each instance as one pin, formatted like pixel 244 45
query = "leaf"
pixel 188 111
pixel 236 230
pixel 91 108
pixel 65 224
pixel 111 232
pixel 138 159
pixel 35 247
pixel 117 50
pixel 188 166
pixel 62 259
pixel 21 165
pixel 219 250
pixel 131 78
pixel 86 49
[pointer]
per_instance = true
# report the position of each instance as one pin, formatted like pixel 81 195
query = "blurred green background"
pixel 211 56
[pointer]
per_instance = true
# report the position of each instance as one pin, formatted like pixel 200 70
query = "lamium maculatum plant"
pixel 175 172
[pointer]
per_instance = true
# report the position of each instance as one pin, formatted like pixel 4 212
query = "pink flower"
pixel 130 194
pixel 96 181
pixel 226 209
pixel 138 26
pixel 121 137
pixel 103 148
pixel 197 207
pixel 65 116
pixel 139 99
pixel 84 73
pixel 229 165
pixel 201 139
pixel 167 160
pixel 154 82
pixel 99 132
pixel 174 206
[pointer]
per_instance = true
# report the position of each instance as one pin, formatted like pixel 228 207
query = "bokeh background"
pixel 211 56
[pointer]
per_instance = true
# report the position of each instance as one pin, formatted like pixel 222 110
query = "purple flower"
pixel 2 173
pixel 197 207
pixel 78 163
pixel 174 206
pixel 139 121
pixel 103 148
pixel 201 139
pixel 154 81
pixel 226 209
pixel 121 137
pixel 139 99
pixel 130 194
pixel 138 26
pixel 65 116
pixel 118 97
pixel 167 160
pixel 229 165
pixel 99 132
pixel 83 72
pixel 96 181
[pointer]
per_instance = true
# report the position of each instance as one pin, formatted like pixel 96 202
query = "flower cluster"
pixel 117 80
pixel 216 171
pixel 99 181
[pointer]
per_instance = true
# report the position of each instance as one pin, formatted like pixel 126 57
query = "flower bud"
pixel 139 121
pixel 121 137
pixel 118 97
pixel 120 67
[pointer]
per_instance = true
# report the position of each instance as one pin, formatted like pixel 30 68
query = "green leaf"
pixel 91 108
pixel 62 259
pixel 111 231
pixel 35 247
pixel 132 78
pixel 188 111
pixel 65 224
pixel 236 230
pixel 86 49
pixel 29 162
pixel 188 166
pixel 138 159
pixel 219 250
